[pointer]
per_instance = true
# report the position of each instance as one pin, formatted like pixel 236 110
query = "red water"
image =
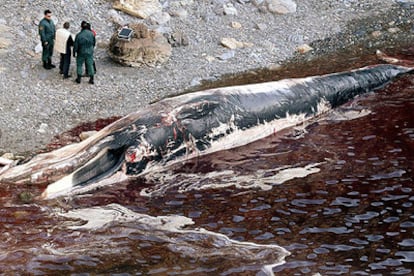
pixel 356 216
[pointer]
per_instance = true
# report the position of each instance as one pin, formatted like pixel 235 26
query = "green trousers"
pixel 80 60
pixel 47 51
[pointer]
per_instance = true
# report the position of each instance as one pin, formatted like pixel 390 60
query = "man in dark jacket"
pixel 83 51
pixel 47 33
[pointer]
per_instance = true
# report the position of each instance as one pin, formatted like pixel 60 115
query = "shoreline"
pixel 37 104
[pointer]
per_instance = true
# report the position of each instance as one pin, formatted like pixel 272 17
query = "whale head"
pixel 110 155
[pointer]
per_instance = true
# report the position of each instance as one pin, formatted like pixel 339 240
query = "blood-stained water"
pixel 337 194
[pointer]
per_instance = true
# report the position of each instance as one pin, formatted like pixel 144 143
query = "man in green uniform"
pixel 83 51
pixel 47 33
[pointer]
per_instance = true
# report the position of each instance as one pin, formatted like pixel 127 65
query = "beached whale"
pixel 179 128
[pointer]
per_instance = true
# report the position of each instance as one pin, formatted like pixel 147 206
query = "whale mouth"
pixel 106 163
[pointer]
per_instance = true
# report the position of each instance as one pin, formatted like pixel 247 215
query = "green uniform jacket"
pixel 47 30
pixel 84 43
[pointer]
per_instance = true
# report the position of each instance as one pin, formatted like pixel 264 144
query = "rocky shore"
pixel 37 104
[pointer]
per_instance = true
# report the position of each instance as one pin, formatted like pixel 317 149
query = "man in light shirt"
pixel 63 44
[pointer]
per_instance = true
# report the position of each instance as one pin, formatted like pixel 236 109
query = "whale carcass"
pixel 179 128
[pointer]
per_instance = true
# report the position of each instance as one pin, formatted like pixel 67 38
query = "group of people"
pixel 62 40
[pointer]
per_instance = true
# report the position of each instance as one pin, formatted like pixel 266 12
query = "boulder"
pixel 138 8
pixel 146 47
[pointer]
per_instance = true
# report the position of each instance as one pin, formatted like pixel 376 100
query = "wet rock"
pixel 145 47
pixel 138 8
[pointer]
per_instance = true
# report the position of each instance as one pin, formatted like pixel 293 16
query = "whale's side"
pixel 181 127
pixel 222 118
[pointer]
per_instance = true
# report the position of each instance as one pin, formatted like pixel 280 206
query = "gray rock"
pixel 229 9
pixel 43 128
pixel 227 55
pixel 281 6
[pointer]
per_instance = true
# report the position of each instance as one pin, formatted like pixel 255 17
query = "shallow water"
pixel 338 194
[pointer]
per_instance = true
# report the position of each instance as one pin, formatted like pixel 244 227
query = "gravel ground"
pixel 37 104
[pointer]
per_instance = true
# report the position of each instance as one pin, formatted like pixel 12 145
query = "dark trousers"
pixel 47 52
pixel 65 63
pixel 82 59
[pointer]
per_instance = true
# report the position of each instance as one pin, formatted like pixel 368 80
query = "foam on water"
pixel 196 243
pixel 223 179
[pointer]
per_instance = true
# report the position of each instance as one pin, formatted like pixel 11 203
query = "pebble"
pixel 235 25
pixel 227 55
pixel 281 6
pixel 229 9
pixel 304 48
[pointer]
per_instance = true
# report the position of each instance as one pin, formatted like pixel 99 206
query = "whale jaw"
pixel 66 187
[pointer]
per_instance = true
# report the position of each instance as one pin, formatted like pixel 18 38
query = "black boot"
pixel 46 65
pixel 91 80
pixel 50 63
pixel 78 79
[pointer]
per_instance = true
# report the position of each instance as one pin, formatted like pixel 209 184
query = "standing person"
pixel 64 42
pixel 94 34
pixel 83 51
pixel 47 34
